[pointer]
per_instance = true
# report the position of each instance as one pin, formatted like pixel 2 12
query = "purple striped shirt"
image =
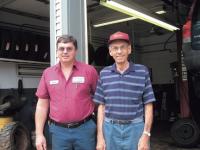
pixel 124 95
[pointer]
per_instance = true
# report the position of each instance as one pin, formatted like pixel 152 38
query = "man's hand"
pixel 144 143
pixel 100 144
pixel 41 142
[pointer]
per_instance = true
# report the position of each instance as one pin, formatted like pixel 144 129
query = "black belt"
pixel 72 124
pixel 115 121
pixel 121 121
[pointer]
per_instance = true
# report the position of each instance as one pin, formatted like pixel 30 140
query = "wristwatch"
pixel 147 133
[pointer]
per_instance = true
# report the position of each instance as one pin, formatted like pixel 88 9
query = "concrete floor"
pixel 159 144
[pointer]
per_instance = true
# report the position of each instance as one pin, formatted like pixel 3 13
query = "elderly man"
pixel 124 94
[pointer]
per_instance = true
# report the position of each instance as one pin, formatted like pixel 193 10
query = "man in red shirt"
pixel 65 94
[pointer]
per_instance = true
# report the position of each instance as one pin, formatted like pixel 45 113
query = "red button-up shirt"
pixel 70 100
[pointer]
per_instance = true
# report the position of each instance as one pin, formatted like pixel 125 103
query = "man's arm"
pixel 100 118
pixel 40 119
pixel 148 110
pixel 145 138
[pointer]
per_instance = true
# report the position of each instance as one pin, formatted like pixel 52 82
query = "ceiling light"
pixel 113 22
pixel 160 12
pixel 125 8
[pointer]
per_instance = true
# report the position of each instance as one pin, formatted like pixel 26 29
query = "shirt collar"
pixel 130 68
pixel 75 65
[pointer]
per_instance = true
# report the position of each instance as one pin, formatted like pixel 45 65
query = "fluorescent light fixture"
pixel 160 12
pixel 121 7
pixel 113 22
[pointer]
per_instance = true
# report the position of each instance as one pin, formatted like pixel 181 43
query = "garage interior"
pixel 26 25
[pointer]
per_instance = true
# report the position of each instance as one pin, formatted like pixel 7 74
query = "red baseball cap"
pixel 119 36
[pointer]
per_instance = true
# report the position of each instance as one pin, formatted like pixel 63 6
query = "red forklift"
pixel 186 131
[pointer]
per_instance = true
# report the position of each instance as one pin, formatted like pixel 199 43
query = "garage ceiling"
pixel 40 9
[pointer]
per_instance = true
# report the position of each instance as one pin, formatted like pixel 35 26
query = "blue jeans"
pixel 122 136
pixel 80 138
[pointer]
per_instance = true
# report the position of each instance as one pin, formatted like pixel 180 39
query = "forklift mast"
pixel 186 131
pixel 191 51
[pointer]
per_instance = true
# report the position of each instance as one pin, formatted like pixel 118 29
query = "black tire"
pixel 185 133
pixel 91 53
pixel 14 136
pixel 101 55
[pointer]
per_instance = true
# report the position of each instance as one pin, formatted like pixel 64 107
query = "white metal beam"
pixel 69 17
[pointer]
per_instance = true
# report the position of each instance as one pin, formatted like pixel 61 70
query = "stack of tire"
pixel 24 45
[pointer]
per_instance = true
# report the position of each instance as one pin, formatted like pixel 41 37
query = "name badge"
pixel 54 82
pixel 78 79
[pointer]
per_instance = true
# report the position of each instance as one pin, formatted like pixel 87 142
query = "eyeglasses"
pixel 68 49
pixel 116 48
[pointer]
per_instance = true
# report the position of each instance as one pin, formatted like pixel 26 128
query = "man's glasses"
pixel 68 49
pixel 116 48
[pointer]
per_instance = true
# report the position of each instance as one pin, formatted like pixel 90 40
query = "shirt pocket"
pixel 80 89
pixel 53 89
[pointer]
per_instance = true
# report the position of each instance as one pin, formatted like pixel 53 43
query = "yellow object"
pixel 4 121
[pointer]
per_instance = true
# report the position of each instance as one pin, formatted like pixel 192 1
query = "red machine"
pixel 186 131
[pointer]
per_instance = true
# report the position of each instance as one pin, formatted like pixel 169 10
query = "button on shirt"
pixel 124 95
pixel 70 100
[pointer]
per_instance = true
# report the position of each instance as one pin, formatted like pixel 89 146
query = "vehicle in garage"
pixel 28 31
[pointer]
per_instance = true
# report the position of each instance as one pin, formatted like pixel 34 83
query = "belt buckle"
pixel 120 121
pixel 71 125
pixel 126 121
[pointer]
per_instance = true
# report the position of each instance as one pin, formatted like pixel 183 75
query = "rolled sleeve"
pixel 42 91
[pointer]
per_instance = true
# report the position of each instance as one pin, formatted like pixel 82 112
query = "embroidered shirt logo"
pixel 78 80
pixel 54 82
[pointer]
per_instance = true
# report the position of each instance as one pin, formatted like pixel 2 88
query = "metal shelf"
pixel 23 61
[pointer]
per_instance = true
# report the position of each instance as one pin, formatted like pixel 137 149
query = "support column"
pixel 69 17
